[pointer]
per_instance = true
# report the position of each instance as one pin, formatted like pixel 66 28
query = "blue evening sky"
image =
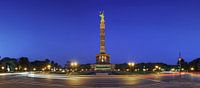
pixel 136 30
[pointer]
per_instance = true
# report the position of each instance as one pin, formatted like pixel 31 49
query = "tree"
pixel 195 64
pixel 24 63
pixel 122 67
pixel 9 64
pixel 67 65
pixel 182 65
pixel 38 65
pixel 47 61
pixel 84 66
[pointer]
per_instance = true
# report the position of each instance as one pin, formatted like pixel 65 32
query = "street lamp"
pixel 73 65
pixel 25 69
pixel 131 65
pixel 192 69
pixel 182 69
pixel 173 69
pixel 157 68
pixel 16 69
pixel 2 67
pixel 180 64
pixel 34 69
pixel 49 67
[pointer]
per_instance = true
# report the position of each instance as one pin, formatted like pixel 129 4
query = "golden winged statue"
pixel 102 16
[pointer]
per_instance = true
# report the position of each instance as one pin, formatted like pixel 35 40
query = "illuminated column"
pixel 102 58
pixel 102 34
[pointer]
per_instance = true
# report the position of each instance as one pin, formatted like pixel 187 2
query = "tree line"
pixel 8 64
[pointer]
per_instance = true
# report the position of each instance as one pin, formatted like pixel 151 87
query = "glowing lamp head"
pixel 74 64
pixel 25 69
pixel 156 66
pixel 48 66
pixel 2 68
pixel 129 63
pixel 192 69
pixel 182 69
pixel 34 69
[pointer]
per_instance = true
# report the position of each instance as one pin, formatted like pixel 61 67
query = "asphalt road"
pixel 129 81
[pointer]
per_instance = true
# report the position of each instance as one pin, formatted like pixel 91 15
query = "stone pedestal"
pixel 103 67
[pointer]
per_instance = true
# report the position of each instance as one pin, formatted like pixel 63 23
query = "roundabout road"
pixel 60 81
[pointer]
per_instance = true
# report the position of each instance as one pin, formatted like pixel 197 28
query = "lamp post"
pixel 192 68
pixel 73 65
pixel 49 67
pixel 2 67
pixel 25 69
pixel 34 69
pixel 16 68
pixel 131 65
pixel 157 68
pixel 180 66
